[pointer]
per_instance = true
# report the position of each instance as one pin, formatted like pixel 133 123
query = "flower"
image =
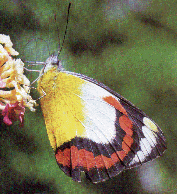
pixel 11 112
pixel 14 85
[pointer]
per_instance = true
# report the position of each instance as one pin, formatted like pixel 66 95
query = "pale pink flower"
pixel 14 85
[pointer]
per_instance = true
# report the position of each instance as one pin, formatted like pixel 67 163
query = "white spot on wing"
pixel 146 145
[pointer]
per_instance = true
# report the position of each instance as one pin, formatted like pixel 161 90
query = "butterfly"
pixel 92 128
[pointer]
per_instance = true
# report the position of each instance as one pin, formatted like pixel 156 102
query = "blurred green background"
pixel 128 45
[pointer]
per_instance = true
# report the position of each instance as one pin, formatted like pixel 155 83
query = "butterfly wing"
pixel 94 129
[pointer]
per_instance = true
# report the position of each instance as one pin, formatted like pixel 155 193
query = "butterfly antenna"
pixel 65 30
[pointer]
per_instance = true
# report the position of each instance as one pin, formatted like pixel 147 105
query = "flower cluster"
pixel 14 85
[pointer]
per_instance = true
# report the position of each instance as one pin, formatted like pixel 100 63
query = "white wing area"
pixel 100 116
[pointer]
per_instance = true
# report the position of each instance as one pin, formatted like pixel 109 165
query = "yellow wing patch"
pixel 150 124
pixel 60 106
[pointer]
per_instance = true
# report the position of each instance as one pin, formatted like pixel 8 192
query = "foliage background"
pixel 129 46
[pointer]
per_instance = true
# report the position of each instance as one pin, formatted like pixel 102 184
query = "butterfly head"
pixel 52 62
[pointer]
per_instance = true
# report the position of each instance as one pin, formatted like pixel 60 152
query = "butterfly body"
pixel 92 128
